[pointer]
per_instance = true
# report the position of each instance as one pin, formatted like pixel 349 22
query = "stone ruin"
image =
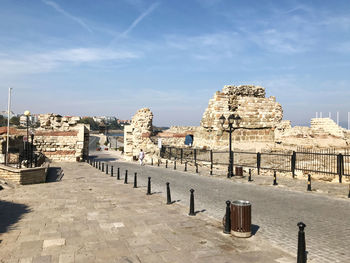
pixel 261 127
pixel 62 138
pixel 57 122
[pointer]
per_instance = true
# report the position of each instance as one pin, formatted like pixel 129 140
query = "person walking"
pixel 141 157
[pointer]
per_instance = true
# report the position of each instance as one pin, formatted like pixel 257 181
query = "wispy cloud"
pixel 65 13
pixel 45 62
pixel 140 18
pixel 212 47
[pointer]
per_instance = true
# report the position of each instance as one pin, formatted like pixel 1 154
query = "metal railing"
pixel 325 162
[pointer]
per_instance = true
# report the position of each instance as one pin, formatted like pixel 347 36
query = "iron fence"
pixel 306 160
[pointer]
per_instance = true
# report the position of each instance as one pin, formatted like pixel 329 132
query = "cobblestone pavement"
pixel 276 209
pixel 89 216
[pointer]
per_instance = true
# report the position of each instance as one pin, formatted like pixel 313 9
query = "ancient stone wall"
pixel 258 117
pixel 62 138
pixel 176 135
pixel 137 136
pixel 323 133
pixel 260 128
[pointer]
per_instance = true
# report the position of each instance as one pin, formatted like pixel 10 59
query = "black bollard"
pixel 227 229
pixel 99 165
pixel 274 178
pixel 135 180
pixel 192 213
pixel 301 243
pixel 166 163
pixel 152 161
pixel 185 166
pixel 309 182
pixel 158 162
pixel 149 186
pixel 168 196
pixel 174 165
pixel 118 173
pixel 250 175
pixel 126 177
pixel 196 168
pixel 103 167
pixel 112 170
pixel 106 168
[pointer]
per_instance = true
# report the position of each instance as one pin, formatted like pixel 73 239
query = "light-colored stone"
pixel 54 242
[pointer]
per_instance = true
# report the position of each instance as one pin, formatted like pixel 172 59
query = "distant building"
pixel 32 119
pixel 124 122
pixel 4 113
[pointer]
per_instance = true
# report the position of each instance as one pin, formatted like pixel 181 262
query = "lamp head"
pixel 27 113
pixel 237 120
pixel 222 120
pixel 231 119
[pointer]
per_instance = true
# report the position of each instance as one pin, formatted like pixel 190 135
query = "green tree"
pixel 3 121
pixel 89 120
pixel 14 120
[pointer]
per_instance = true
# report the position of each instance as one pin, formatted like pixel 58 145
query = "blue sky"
pixel 112 57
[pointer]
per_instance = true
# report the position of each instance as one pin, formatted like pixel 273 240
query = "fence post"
pixel 211 162
pixel 258 162
pixel 294 158
pixel 195 157
pixel 182 153
pixel 340 166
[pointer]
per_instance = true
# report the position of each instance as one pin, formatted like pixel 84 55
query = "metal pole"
pixel 27 142
pixel 149 186
pixel 192 213
pixel 135 180
pixel 126 177
pixel 308 182
pixel 8 125
pixel 231 157
pixel 274 178
pixel 227 229
pixel 31 150
pixel 168 196
pixel 301 243
pixel 337 117
pixel 211 162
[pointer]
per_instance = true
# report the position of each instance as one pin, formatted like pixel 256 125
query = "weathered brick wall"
pixel 23 176
pixel 63 145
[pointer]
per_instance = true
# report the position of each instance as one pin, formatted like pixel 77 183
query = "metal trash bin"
pixel 239 171
pixel 241 218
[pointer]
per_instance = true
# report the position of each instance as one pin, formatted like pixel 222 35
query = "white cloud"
pixel 44 62
pixel 140 18
pixel 65 13
pixel 208 46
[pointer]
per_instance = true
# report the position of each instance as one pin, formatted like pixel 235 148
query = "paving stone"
pixel 113 223
pixel 54 242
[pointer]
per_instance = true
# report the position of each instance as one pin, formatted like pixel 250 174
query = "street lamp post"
pixel 27 114
pixel 232 119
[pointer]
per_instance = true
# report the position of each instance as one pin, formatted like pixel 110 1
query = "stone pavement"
pixel 275 209
pixel 91 217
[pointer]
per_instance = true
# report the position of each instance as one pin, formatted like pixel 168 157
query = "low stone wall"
pixel 23 176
